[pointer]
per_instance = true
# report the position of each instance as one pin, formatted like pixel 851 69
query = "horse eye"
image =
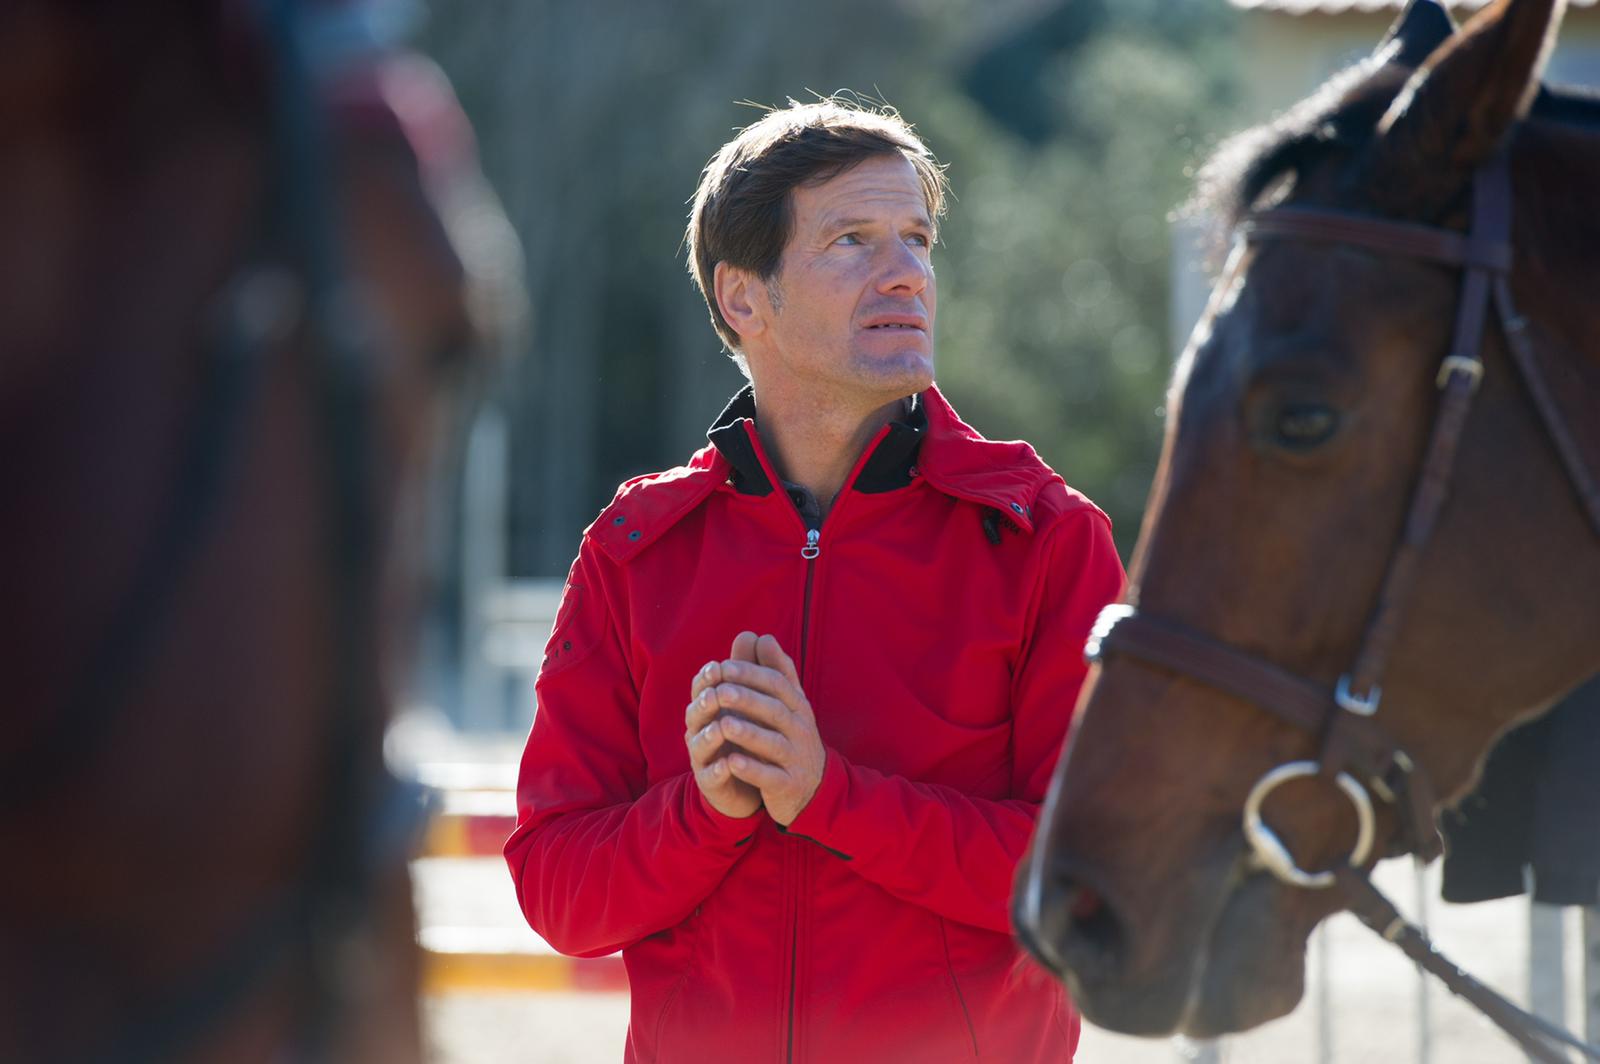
pixel 1302 426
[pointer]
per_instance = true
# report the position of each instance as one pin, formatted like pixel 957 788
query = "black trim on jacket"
pixel 890 467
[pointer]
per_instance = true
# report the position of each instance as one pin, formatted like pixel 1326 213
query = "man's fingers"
pixel 770 652
pixel 705 743
pixel 715 774
pixel 764 743
pixel 710 675
pixel 755 706
pixel 701 710
pixel 758 774
pixel 762 678
pixel 744 647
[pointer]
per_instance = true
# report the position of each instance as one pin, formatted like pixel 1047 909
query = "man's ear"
pixel 741 299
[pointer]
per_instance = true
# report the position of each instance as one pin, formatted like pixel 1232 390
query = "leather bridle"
pixel 1356 754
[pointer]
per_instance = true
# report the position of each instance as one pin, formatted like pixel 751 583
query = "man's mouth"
pixel 907 320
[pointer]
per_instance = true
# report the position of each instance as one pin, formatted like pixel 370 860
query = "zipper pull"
pixel 810 551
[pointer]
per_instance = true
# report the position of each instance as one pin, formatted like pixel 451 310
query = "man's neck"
pixel 815 444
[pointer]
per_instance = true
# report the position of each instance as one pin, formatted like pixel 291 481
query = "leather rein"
pixel 1356 754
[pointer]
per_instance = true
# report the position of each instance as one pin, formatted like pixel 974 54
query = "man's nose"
pixel 902 269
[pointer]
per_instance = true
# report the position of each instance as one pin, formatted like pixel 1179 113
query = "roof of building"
pixel 1339 7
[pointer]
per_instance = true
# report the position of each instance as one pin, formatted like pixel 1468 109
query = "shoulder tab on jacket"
pixel 1057 498
pixel 1006 475
pixel 646 507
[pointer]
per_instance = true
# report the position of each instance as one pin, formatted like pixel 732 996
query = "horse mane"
pixel 1342 114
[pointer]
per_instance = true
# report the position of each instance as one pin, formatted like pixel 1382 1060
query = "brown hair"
pixel 742 214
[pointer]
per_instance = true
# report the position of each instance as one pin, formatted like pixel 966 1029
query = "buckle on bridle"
pixel 1274 856
pixel 1453 364
pixel 1361 705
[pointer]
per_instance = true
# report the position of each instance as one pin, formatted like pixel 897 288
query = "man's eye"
pixel 849 239
pixel 919 239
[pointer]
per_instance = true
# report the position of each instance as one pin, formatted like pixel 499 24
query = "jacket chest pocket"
pixel 947 722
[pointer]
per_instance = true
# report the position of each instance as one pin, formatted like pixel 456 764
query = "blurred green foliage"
pixel 1070 130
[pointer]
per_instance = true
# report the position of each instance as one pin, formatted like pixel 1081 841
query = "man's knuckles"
pixel 703 738
pixel 760 677
pixel 702 707
pixel 765 681
pixel 754 704
pixel 764 743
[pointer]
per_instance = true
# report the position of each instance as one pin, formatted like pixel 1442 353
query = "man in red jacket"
pixel 803 843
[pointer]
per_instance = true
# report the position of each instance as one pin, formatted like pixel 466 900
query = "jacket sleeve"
pixel 944 850
pixel 601 859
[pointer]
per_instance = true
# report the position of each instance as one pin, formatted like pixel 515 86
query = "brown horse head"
pixel 1298 421
pixel 241 272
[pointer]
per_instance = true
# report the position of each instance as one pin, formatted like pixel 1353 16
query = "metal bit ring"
pixel 1270 851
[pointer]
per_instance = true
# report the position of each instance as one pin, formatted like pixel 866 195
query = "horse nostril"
pixel 1084 934
pixel 1094 937
pixel 1069 926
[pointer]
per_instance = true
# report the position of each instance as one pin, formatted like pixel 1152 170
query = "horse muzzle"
pixel 1072 928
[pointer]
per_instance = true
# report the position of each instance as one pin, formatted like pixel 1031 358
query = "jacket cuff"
pixel 713 827
pixel 820 815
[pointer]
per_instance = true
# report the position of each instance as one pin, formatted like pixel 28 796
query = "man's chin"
pixel 898 373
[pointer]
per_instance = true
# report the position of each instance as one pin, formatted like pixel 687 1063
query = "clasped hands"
pixel 751 734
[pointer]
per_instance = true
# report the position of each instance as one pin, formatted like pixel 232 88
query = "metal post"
pixel 483 565
pixel 1591 973
pixel 1322 999
pixel 1547 984
pixel 1190 1051
pixel 1424 1008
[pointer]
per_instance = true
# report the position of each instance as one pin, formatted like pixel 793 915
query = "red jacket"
pixel 938 632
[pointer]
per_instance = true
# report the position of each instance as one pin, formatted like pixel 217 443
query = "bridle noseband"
pixel 1355 752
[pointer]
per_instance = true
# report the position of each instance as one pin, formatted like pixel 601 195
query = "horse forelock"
pixel 1342 113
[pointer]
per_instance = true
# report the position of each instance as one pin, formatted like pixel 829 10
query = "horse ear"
pixel 1421 28
pixel 1457 109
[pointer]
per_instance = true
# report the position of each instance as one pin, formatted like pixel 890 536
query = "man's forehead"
pixel 883 185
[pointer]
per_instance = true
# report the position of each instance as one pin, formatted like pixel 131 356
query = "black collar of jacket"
pixel 889 467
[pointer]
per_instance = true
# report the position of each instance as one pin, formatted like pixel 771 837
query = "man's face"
pixel 850 310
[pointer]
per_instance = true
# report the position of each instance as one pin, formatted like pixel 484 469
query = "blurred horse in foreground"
pixel 246 257
pixel 1346 587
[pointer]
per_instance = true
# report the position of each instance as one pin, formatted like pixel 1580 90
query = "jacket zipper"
pixel 810 552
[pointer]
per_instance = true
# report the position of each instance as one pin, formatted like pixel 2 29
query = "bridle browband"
pixel 1355 752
